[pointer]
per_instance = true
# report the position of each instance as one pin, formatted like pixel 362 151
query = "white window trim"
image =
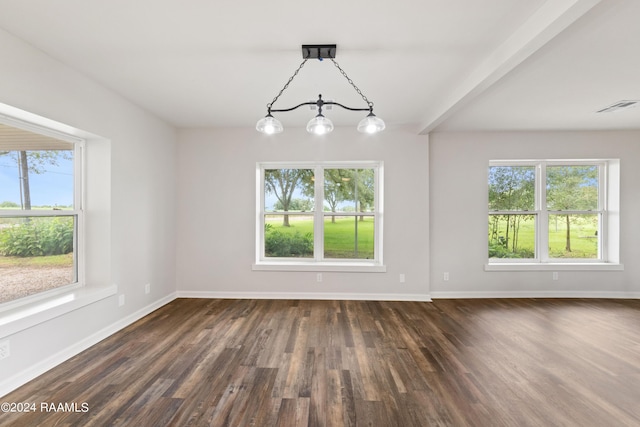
pixel 553 266
pixel 77 212
pixel 27 312
pixel 608 200
pixel 319 264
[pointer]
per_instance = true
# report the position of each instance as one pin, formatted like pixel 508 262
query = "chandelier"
pixel 320 124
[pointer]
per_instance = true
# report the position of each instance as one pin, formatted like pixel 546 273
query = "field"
pixel 584 241
pixel 37 261
pixel 339 237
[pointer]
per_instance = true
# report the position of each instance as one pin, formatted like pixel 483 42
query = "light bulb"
pixel 371 124
pixel 269 125
pixel 319 125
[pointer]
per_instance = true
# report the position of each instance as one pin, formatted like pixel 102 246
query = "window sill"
pixel 558 266
pixel 347 267
pixel 24 316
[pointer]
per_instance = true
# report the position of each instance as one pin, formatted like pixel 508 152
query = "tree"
pixel 355 185
pixel 24 179
pixel 511 188
pixel 283 183
pixel 572 188
pixel 365 181
pixel 335 181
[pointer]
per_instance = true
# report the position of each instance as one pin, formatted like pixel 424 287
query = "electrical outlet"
pixel 319 277
pixel 147 288
pixel 446 276
pixel 402 277
pixel 555 275
pixel 121 300
pixel 5 350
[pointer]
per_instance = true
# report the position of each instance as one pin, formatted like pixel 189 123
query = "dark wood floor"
pixel 261 363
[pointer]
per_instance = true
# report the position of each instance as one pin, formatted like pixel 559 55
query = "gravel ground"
pixel 18 282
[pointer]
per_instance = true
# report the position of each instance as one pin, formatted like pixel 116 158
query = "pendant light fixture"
pixel 320 124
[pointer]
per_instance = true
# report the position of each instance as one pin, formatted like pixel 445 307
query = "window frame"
pixel 542 213
pixel 77 212
pixel 318 262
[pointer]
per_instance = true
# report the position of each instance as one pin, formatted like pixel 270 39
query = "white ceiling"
pixel 430 64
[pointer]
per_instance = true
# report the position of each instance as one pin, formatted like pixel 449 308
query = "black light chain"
pixel 287 84
pixel 369 103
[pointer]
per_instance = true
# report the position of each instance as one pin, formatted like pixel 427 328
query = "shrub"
pixel 279 244
pixel 38 237
pixel 497 250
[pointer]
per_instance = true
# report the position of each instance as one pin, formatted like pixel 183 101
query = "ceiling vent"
pixel 619 106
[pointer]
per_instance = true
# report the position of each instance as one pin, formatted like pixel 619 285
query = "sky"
pixel 51 188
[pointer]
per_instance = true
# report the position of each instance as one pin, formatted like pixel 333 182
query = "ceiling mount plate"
pixel 318 51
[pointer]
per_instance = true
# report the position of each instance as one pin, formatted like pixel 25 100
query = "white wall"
pixel 216 214
pixel 458 179
pixel 131 170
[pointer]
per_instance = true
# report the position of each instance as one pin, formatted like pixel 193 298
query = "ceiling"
pixel 434 65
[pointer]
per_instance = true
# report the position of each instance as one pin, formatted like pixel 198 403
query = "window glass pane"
pixel 573 236
pixel 36 254
pixel 36 179
pixel 288 236
pixel 512 236
pixel 288 190
pixel 512 188
pixel 349 236
pixel 349 190
pixel 572 187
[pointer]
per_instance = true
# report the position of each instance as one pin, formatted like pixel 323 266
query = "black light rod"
pixel 284 110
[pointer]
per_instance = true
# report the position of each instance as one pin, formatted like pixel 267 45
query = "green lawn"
pixel 339 237
pixel 584 242
pixel 37 261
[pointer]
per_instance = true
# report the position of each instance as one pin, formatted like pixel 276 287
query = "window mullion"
pixel 542 232
pixel 603 209
pixel 260 214
pixel 79 194
pixel 79 173
pixel 318 218
pixel 379 213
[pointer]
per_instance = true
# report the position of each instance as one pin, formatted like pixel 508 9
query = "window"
pixel 552 211
pixel 40 212
pixel 325 216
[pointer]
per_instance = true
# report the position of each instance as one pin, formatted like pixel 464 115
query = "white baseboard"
pixel 304 296
pixel 23 377
pixel 534 294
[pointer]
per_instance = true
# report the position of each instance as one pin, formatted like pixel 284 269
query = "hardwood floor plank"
pixel 333 396
pixel 318 390
pixel 200 362
pixel 292 385
pixel 259 407
pixel 348 401
pixel 293 413
pixel 293 335
pixel 372 413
